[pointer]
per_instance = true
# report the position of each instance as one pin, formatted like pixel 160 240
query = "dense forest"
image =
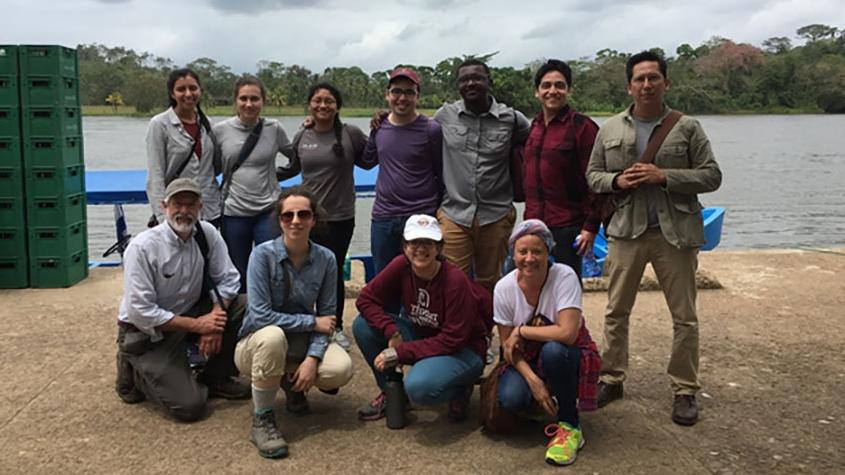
pixel 718 76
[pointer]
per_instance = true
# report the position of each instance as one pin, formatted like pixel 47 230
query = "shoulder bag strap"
pixel 207 283
pixel 658 135
pixel 247 148
pixel 184 163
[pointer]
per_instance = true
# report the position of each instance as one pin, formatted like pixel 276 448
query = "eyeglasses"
pixel 302 214
pixel 327 101
pixel 416 243
pixel 397 92
pixel 472 77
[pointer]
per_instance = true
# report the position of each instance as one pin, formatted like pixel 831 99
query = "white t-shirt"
pixel 561 291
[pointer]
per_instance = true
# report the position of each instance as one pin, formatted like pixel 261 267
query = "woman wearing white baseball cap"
pixel 443 333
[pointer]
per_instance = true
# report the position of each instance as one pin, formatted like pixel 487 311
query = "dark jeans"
pixel 563 252
pixel 433 380
pixel 560 365
pixel 336 236
pixel 160 369
pixel 242 232
pixel 386 244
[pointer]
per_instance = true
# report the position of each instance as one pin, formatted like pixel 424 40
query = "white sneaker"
pixel 341 340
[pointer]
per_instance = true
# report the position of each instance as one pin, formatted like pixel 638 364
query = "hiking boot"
pixel 228 388
pixel 684 410
pixel 125 382
pixel 341 340
pixel 375 409
pixel 459 406
pixel 608 392
pixel 266 436
pixel 565 443
pixel 295 401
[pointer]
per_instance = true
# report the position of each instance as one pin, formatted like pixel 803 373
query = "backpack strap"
pixel 207 283
pixel 658 135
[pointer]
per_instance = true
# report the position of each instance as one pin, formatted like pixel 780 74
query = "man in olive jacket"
pixel 657 220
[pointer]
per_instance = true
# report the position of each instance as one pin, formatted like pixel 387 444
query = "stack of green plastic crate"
pixel 54 174
pixel 14 265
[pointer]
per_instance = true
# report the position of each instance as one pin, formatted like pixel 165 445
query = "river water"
pixel 782 179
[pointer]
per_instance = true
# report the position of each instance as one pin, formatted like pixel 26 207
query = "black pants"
pixel 336 236
pixel 563 251
pixel 160 369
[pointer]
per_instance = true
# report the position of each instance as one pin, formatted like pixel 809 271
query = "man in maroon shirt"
pixel 443 333
pixel 556 156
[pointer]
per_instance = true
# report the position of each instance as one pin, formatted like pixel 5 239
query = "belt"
pixel 127 326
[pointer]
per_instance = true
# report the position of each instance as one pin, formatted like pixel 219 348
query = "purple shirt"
pixel 410 159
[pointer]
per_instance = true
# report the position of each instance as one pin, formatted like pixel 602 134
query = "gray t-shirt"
pixel 328 176
pixel 644 130
pixel 253 187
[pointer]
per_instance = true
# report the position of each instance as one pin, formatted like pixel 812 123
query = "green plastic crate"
pixel 10 152
pixel 55 210
pixel 10 123
pixel 57 240
pixel 52 272
pixel 9 90
pixel 48 59
pixel 13 241
pixel 12 212
pixel 52 151
pixel 49 91
pixel 11 182
pixel 14 272
pixel 9 60
pixel 55 181
pixel 40 121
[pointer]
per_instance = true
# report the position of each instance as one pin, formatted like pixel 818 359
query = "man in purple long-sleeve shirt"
pixel 408 147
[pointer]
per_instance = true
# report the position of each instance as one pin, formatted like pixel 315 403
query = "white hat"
pixel 422 226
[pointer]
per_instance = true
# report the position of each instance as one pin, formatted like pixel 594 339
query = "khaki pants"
pixel 480 248
pixel 263 355
pixel 675 269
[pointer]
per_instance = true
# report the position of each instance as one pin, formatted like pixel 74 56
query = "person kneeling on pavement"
pixel 443 333
pixel 291 289
pixel 169 274
pixel 551 360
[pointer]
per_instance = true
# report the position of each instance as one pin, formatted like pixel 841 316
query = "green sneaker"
pixel 565 444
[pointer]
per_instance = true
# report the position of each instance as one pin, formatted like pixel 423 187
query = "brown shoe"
pixel 684 410
pixel 608 392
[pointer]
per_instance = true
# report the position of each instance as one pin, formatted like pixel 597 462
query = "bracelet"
pixel 519 331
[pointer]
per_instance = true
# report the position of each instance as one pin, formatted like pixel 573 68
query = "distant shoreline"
pixel 295 111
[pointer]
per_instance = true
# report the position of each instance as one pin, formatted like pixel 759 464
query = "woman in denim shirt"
pixel 285 335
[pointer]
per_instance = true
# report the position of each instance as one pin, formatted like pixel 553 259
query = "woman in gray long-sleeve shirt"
pixel 249 192
pixel 181 137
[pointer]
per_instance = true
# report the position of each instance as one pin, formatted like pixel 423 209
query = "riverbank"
pixel 772 368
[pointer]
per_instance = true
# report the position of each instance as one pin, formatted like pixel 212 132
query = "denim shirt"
pixel 312 292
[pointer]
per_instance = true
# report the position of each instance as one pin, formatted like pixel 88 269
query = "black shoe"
pixel 295 401
pixel 125 382
pixel 684 410
pixel 459 406
pixel 330 392
pixel 608 393
pixel 228 388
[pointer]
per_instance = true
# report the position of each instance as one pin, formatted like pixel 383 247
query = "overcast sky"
pixel 376 34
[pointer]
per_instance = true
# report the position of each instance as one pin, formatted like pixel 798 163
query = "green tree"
pixel 144 91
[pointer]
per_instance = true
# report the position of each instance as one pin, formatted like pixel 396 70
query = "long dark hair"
pixel 338 125
pixel 178 74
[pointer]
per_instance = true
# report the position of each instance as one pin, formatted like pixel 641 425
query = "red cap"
pixel 407 73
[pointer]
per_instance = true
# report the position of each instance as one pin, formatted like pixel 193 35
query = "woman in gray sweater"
pixel 250 188
pixel 180 144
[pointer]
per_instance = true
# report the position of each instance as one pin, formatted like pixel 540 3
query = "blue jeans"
pixel 386 244
pixel 241 232
pixel 430 381
pixel 560 364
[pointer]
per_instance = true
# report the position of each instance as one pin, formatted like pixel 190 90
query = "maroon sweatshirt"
pixel 448 312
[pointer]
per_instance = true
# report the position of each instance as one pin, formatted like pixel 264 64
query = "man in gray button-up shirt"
pixel 477 214
pixel 164 308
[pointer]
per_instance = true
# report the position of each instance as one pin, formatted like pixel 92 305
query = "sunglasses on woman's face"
pixel 302 214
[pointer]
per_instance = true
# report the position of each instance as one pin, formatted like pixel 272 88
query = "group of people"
pixel 249 272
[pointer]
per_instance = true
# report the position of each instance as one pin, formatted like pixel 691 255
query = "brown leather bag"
pixel 490 414
pixel 658 135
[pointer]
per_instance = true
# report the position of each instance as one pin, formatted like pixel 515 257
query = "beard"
pixel 182 223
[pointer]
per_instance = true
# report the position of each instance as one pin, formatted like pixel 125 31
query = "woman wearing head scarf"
pixel 553 363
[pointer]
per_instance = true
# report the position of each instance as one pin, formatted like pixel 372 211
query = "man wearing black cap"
pixel 167 305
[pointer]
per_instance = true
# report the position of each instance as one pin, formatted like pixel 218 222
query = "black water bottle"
pixel 394 392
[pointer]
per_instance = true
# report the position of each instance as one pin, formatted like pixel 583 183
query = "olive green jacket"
pixel 690 168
